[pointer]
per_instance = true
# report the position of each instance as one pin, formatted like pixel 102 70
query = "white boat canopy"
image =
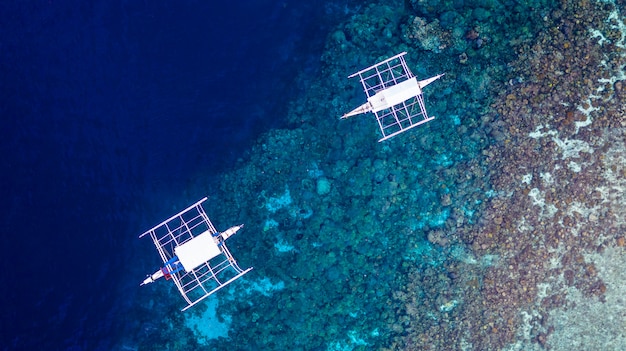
pixel 194 254
pixel 394 95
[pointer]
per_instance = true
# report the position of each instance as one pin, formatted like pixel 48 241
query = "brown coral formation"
pixel 557 166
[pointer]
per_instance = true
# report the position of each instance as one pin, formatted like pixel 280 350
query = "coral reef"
pixel 559 129
pixel 429 35
pixel 498 226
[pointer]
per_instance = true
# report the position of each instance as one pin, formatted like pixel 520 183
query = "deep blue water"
pixel 110 111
